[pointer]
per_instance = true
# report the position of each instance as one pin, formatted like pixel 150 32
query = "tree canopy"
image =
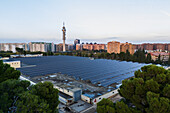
pixel 148 92
pixel 18 96
pixel 139 56
pixel 7 72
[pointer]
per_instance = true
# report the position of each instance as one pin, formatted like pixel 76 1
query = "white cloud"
pixel 165 13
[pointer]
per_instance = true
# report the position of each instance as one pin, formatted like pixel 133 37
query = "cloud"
pixel 165 13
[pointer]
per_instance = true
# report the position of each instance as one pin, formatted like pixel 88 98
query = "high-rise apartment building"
pixel 113 46
pixel 153 46
pixel 79 47
pixel 127 46
pixel 99 46
pixel 76 41
pixel 49 47
pixel 70 47
pixel 37 46
pixel 90 46
pixel 12 46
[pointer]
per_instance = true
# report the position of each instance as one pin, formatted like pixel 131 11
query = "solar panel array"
pixel 101 71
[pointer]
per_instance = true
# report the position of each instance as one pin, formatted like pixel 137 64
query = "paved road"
pixel 90 109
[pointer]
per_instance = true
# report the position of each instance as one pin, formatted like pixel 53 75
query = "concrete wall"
pixel 14 64
pixel 86 99
pixel 65 101
pixel 107 95
pixel 68 92
pixel 23 78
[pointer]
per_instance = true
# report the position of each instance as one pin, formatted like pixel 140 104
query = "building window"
pixel 113 92
pixel 99 98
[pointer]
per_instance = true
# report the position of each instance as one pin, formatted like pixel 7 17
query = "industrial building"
pixel 78 78
pixel 69 95
pixel 13 63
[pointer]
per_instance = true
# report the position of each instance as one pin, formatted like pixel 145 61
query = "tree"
pixel 169 60
pixel 48 93
pixel 10 91
pixel 157 104
pixel 25 53
pixel 148 58
pixel 158 61
pixel 29 103
pixel 19 50
pixel 139 56
pixel 7 72
pixel 148 92
pixel 105 106
pixel 151 79
pixel 18 96
pixel 121 107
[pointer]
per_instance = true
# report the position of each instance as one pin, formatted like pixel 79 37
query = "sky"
pixel 135 21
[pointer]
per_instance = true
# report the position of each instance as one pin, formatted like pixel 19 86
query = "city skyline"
pixel 90 21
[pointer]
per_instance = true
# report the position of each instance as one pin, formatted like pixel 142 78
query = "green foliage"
pixel 157 104
pixel 19 50
pixel 158 61
pixel 139 56
pixel 49 53
pixel 121 107
pixel 48 93
pixel 105 106
pixel 168 61
pixel 154 80
pixel 18 96
pixel 148 58
pixel 166 91
pixel 10 91
pixel 7 72
pixel 29 103
pixel 148 92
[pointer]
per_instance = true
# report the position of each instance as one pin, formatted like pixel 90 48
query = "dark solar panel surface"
pixel 103 71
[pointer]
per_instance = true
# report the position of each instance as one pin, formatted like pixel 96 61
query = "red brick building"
pixel 113 46
pixel 153 46
pixel 91 47
pixel 127 46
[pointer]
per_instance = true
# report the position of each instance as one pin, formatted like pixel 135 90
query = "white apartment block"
pixel 41 46
pixel 12 46
pixel 37 46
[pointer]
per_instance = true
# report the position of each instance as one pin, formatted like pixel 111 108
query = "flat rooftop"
pixel 64 95
pixel 11 60
pixel 98 71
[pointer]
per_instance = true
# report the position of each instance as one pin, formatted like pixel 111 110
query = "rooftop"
pixel 99 71
pixel 64 95
pixel 11 60
pixel 159 53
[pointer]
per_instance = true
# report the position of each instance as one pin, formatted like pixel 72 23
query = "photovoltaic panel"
pixel 101 71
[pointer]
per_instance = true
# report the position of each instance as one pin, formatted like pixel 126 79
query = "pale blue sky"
pixel 134 21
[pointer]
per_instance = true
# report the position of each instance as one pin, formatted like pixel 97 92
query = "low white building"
pixel 15 64
pixel 4 58
pixel 28 55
